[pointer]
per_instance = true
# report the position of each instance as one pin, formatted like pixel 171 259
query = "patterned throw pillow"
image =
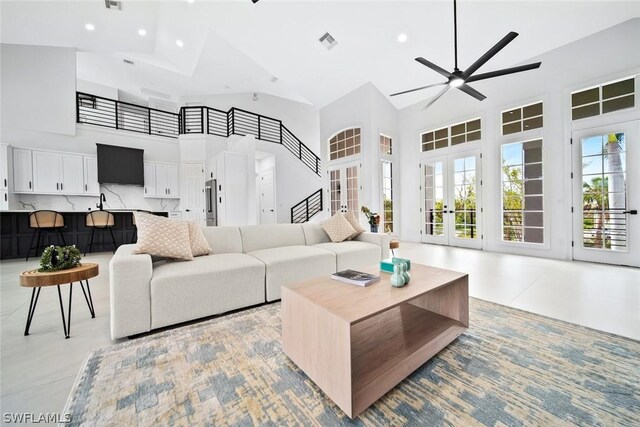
pixel 354 223
pixel 199 244
pixel 338 228
pixel 163 237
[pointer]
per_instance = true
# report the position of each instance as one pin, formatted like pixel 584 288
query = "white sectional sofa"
pixel 248 266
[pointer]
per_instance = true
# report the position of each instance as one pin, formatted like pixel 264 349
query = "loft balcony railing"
pixel 241 122
pixel 99 111
pixel 307 208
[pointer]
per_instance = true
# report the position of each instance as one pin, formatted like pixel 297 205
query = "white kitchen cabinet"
pixel 57 173
pixel 167 182
pixel 91 185
pixel 149 179
pixel 4 167
pixel 232 177
pixel 22 171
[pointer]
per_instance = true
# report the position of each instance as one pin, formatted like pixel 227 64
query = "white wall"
pixel 303 120
pixel 38 88
pixel 368 109
pixel 96 89
pixel 610 54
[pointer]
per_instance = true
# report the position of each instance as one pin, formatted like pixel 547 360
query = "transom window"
pixel 345 143
pixel 385 145
pixel 522 118
pixel 451 135
pixel 522 197
pixel 603 99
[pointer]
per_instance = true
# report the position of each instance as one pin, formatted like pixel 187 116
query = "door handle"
pixel 57 185
pixel 632 212
pixel 188 210
pixel 29 185
pixel 60 186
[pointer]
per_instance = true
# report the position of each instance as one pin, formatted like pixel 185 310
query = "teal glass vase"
pixel 405 273
pixel 397 280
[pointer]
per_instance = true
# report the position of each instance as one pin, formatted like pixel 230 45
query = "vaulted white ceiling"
pixel 238 46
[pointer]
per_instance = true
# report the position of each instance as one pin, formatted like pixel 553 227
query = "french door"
pixel 451 200
pixel 344 188
pixel 606 194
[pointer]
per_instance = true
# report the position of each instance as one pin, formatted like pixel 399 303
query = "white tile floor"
pixel 38 371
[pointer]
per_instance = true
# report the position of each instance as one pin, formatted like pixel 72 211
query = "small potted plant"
pixel 372 218
pixel 56 258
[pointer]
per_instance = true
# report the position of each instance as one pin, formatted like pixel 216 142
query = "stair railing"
pixel 307 208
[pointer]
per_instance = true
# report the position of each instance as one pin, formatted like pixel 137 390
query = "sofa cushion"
pixel 199 244
pixel 338 228
pixel 314 233
pixel 212 284
pixel 352 254
pixel 223 240
pixel 293 264
pixel 257 237
pixel 162 237
pixel 353 220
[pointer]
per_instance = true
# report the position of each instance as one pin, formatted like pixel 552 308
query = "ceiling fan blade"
pixel 490 53
pixel 503 72
pixel 418 88
pixel 471 91
pixel 434 67
pixel 435 98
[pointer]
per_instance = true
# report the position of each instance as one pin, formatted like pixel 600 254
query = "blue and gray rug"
pixel 509 368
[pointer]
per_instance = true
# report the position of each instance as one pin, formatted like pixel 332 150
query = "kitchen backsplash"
pixel 118 197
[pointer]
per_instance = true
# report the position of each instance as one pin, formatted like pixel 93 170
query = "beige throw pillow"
pixel 163 237
pixel 354 223
pixel 338 228
pixel 199 244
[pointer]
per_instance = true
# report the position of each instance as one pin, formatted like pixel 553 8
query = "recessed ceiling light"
pixel 274 79
pixel 179 43
pixel 246 80
pixel 190 1
pixel 142 32
pixel 402 37
pixel 90 27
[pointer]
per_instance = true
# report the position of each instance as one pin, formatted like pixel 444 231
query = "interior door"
pixel 344 188
pixel 451 200
pixel 193 197
pixel 606 194
pixel 267 197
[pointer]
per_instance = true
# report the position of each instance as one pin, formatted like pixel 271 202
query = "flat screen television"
pixel 120 165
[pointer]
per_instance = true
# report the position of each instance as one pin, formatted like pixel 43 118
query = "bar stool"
pixel 46 221
pixel 100 220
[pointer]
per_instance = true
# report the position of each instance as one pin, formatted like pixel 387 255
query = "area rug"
pixel 509 368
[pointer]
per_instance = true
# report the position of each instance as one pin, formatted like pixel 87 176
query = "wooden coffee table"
pixel 36 280
pixel 356 343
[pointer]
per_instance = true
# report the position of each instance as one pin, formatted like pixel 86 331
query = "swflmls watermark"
pixel 30 417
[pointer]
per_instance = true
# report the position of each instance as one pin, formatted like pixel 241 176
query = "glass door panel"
pixel 605 191
pixel 344 189
pixel 451 200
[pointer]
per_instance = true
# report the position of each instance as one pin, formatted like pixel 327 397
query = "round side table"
pixel 37 280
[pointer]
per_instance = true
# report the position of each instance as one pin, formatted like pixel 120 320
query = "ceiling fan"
pixel 459 79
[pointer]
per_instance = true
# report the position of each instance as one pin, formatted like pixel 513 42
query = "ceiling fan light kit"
pixel 459 79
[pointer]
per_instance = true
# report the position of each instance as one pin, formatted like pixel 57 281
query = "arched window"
pixel 345 143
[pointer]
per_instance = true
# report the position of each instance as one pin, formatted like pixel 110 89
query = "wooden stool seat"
pixel 100 220
pixel 394 244
pixel 44 221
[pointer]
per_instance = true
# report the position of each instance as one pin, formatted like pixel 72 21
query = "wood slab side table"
pixel 37 280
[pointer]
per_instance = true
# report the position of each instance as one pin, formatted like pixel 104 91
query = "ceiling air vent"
pixel 113 4
pixel 328 41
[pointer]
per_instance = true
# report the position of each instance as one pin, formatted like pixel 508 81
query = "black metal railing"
pixel 241 122
pixel 99 111
pixel 307 208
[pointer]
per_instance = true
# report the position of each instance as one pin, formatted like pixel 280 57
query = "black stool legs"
pixel 39 231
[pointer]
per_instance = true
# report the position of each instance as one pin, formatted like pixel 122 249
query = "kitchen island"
pixel 15 234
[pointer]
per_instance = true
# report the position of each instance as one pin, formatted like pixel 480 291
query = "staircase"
pixel 99 111
pixel 307 208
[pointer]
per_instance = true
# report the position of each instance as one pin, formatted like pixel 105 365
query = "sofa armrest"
pixel 380 239
pixel 130 292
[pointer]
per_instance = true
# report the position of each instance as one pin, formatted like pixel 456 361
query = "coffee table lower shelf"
pixel 387 348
